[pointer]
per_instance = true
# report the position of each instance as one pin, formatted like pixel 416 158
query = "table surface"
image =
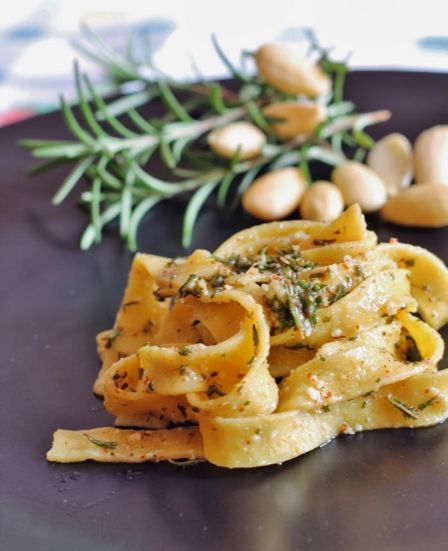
pixel 379 490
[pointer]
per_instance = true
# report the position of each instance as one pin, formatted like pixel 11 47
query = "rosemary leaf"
pixel 178 147
pixel 44 166
pixel 85 107
pixel 127 103
pixel 137 215
pixel 126 204
pixel 88 237
pixel 113 122
pixel 258 118
pixel 73 124
pixel 141 124
pixel 246 181
pixel 224 188
pixel 69 151
pixel 71 180
pixel 222 56
pixel 215 98
pixel 167 155
pixel 172 103
pixel 194 206
pixel 95 208
pixel 304 167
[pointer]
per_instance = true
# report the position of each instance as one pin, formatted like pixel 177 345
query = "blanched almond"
pixel 282 67
pixel 431 155
pixel 322 202
pixel 359 184
pixel 245 136
pixel 424 205
pixel 391 158
pixel 275 194
pixel 297 118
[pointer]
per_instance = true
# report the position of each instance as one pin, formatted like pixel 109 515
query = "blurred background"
pixel 38 38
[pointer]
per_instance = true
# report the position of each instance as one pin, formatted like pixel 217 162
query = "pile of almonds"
pixel 382 184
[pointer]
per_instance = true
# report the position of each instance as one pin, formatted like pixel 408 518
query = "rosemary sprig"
pixel 113 155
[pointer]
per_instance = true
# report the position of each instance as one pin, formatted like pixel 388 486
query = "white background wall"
pixel 36 57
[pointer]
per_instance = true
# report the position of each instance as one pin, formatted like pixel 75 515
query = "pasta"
pixel 290 334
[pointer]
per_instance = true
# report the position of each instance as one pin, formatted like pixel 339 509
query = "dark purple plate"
pixel 379 490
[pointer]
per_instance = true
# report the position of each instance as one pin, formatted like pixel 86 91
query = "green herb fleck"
pixel 406 410
pixel 255 336
pixel 190 287
pixel 428 403
pixel 300 346
pixel 218 281
pixel 101 443
pixel 214 390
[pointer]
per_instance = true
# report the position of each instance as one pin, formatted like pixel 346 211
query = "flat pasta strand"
pixel 288 335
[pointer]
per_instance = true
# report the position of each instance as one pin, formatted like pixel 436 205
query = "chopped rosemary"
pixel 428 403
pixel 214 391
pixel 300 346
pixel 101 443
pixel 255 336
pixel 340 292
pixel 190 287
pixel 406 410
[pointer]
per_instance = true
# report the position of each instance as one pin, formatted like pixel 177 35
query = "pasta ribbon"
pixel 428 276
pixel 139 315
pixel 288 335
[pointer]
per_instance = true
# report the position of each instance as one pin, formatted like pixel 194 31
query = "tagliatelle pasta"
pixel 290 334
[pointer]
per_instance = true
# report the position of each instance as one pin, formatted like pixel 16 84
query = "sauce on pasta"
pixel 288 335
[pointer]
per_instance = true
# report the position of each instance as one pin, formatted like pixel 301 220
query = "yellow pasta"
pixel 288 335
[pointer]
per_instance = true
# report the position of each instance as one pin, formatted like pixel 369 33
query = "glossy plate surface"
pixel 379 490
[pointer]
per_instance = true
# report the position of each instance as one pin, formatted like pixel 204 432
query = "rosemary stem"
pixel 348 122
